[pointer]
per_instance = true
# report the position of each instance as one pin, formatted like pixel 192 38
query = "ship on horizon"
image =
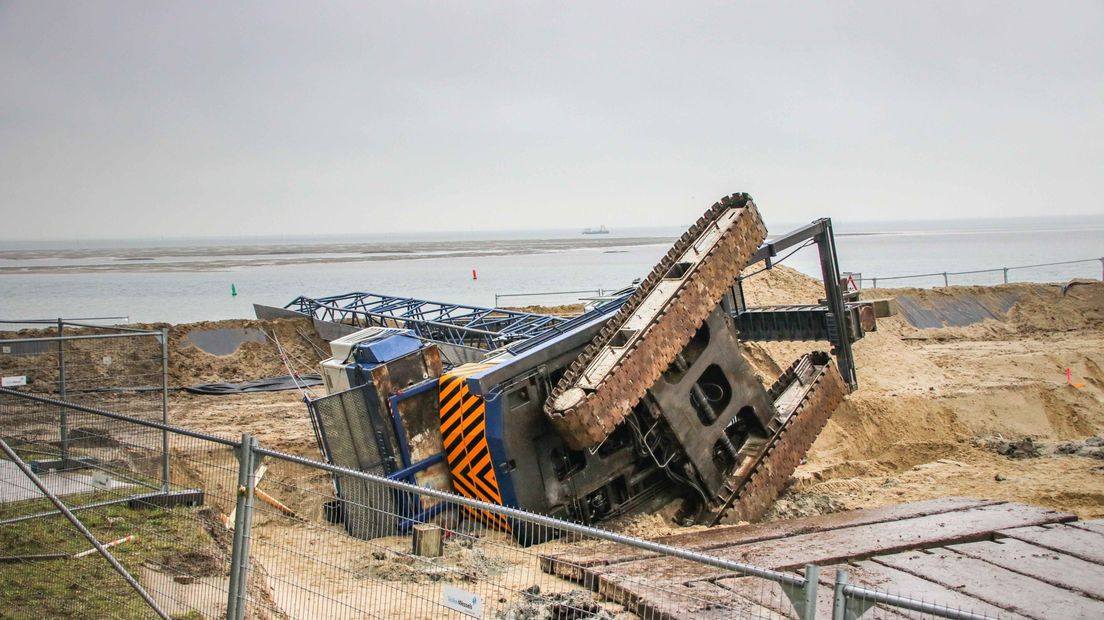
pixel 601 230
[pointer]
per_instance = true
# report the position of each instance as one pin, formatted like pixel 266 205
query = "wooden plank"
pixel 889 537
pixel 845 544
pixel 572 564
pixel 1075 541
pixel 694 601
pixel 1053 567
pixel 870 574
pixel 1092 526
pixel 428 540
pixel 998 586
pixel 769 595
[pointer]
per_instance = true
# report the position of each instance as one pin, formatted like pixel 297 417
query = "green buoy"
pixel 233 290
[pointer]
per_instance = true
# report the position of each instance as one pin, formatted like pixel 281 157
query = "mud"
pixel 193 563
pixel 573 605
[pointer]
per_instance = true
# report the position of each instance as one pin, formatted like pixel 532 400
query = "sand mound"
pixel 982 312
pixel 780 285
pixel 932 402
pixel 134 362
pixel 190 365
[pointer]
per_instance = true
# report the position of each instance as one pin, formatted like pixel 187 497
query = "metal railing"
pixel 946 275
pixel 263 534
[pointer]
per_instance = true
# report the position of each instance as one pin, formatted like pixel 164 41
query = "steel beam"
pixel 485 328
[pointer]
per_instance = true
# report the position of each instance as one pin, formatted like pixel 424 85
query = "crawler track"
pixel 807 394
pixel 631 352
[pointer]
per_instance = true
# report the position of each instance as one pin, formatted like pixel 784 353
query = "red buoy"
pixel 474 275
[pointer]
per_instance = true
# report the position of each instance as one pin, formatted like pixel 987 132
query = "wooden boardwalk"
pixel 999 558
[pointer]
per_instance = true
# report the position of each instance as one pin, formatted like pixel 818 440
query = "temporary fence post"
pixel 165 472
pixel 1006 275
pixel 839 597
pixel 812 578
pixel 63 425
pixel 803 597
pixel 1102 269
pixel 243 521
pixel 945 283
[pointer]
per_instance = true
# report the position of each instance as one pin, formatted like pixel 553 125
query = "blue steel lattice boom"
pixel 459 324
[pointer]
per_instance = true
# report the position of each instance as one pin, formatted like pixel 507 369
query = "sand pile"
pixel 780 285
pixel 941 411
pixel 190 365
pixel 130 362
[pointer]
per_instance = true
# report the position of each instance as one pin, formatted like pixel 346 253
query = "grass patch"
pixel 173 541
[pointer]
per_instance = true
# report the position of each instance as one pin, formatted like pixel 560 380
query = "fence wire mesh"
pixel 213 527
pixel 412 553
pixel 864 591
pixel 173 540
pixel 457 562
pixel 123 371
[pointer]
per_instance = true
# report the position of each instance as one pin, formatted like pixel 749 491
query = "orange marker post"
pixel 106 546
pixel 1069 380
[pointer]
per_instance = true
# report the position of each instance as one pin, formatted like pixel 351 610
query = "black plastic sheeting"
pixel 271 384
pixel 955 308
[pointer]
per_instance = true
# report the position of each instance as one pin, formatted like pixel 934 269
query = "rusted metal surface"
pixel 995 585
pixel 639 342
pixel 1055 568
pixel 572 564
pixel 1075 541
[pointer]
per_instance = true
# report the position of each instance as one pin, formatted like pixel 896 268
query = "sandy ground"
pixel 939 412
pixel 935 407
pixel 933 404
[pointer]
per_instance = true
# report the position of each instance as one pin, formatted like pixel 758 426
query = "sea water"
pixel 875 249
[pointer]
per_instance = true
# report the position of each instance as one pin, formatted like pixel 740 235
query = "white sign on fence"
pixel 13 381
pixel 464 602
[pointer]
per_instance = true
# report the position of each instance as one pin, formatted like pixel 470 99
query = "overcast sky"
pixel 147 119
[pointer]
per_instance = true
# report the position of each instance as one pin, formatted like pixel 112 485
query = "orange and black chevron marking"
pixel 463 429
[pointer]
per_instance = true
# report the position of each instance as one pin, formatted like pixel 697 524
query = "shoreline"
pixel 223 258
